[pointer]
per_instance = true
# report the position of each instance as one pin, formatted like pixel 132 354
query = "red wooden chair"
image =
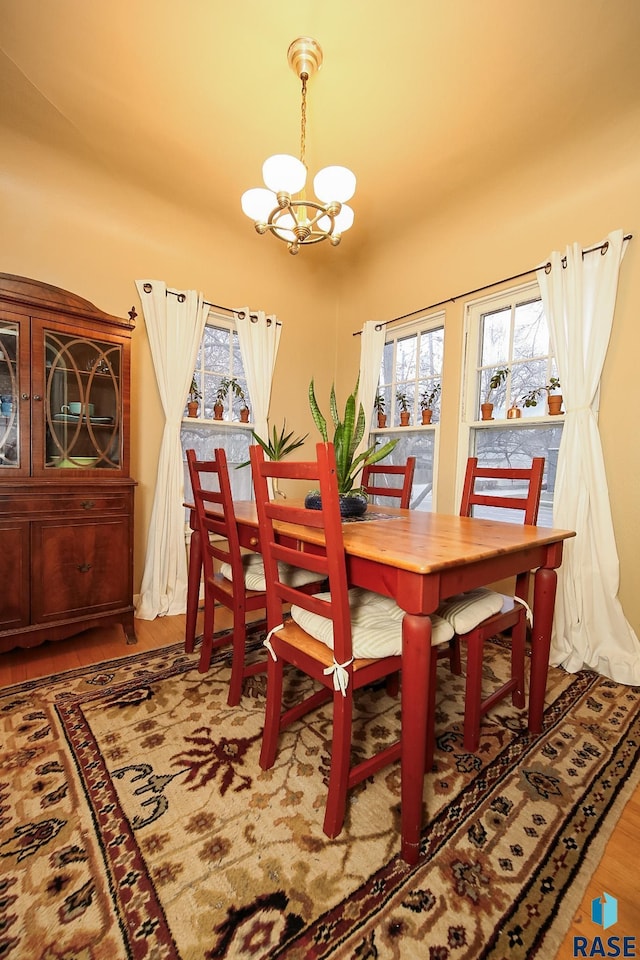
pixel 218 536
pixel 374 477
pixel 478 615
pixel 343 639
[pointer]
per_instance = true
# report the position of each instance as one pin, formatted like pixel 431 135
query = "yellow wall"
pixel 71 225
pixel 579 195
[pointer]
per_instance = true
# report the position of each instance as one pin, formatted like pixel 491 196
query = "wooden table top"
pixel 399 539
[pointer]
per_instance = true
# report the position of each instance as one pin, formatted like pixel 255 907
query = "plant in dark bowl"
pixel 347 434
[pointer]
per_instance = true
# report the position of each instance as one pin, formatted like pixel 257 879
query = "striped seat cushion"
pixel 376 625
pixel 465 611
pixel 254 578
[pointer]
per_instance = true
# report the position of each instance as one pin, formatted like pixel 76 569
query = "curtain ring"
pixel 253 317
pixel 604 248
pixel 547 267
pixel 181 298
pixel 379 326
pixel 147 287
pixel 240 314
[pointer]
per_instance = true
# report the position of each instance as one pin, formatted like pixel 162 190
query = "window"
pixel 219 357
pixel 510 332
pixel 412 367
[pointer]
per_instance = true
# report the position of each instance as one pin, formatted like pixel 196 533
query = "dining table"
pixel 420 559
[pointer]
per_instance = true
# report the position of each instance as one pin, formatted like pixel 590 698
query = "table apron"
pixel 422 593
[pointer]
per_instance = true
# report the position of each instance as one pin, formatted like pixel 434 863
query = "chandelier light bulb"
pixel 283 173
pixel 258 203
pixel 334 183
pixel 344 220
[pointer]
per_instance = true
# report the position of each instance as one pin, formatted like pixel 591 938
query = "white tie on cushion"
pixel 254 578
pixel 465 611
pixel 376 625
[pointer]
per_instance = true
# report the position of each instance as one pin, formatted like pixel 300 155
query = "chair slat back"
pixel 528 503
pixel 373 478
pixel 215 513
pixel 327 560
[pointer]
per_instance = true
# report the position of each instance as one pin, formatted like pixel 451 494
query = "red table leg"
pixel 416 693
pixel 193 587
pixel 544 595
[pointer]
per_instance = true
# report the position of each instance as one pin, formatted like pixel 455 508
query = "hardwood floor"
pixel 613 875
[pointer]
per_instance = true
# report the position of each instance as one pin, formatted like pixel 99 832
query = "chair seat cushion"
pixel 376 625
pixel 465 611
pixel 254 578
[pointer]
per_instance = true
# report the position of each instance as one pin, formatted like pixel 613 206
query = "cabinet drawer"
pixel 79 566
pixel 68 502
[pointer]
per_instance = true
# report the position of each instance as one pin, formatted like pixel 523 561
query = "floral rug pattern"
pixel 135 821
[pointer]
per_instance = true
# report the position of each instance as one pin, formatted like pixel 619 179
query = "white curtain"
pixel 371 350
pixel 590 628
pixel 259 338
pixel 175 324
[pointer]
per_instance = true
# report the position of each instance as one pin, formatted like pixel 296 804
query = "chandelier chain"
pixel 303 118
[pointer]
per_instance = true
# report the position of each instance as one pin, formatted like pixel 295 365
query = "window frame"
pixel 423 324
pixel 469 424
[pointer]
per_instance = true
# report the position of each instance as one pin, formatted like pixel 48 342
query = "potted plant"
pixel 554 400
pixel 403 402
pixel 277 447
pixel 230 385
pixel 379 405
pixel 348 432
pixel 428 398
pixel 194 396
pixel 496 380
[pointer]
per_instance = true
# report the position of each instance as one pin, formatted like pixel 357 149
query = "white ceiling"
pixel 423 99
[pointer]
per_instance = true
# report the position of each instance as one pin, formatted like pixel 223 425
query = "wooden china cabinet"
pixel 66 497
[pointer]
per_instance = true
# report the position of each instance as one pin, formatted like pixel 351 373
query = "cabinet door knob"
pixel 24 396
pixel 37 396
pixel 84 567
pixel 88 504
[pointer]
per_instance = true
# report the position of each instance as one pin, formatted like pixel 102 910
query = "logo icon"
pixel 604 911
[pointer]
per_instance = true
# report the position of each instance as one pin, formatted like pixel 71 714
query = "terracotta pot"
pixel 555 404
pixel 244 415
pixel 514 413
pixel 218 410
pixel 487 411
pixel 192 408
pixel 426 416
pixel 404 418
pixel 382 419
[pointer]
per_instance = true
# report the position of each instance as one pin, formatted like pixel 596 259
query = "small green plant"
pixel 497 379
pixel 430 397
pixel 194 391
pixel 531 398
pixel 278 446
pixel 348 432
pixel 230 385
pixel 379 402
pixel 402 400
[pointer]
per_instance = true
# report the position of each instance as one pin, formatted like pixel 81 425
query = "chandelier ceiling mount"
pixel 282 207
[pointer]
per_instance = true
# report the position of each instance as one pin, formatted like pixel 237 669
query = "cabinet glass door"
pixel 83 402
pixel 9 387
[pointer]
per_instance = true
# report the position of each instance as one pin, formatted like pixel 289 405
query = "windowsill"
pixel 225 424
pixel 409 426
pixel 518 421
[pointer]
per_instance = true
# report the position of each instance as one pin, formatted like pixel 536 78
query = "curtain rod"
pixel 603 247
pixel 147 287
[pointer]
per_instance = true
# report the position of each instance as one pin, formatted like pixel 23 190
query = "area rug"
pixel 136 822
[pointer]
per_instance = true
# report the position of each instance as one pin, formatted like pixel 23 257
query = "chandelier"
pixel 282 207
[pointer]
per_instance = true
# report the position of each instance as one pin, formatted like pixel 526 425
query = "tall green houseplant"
pixel 347 434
